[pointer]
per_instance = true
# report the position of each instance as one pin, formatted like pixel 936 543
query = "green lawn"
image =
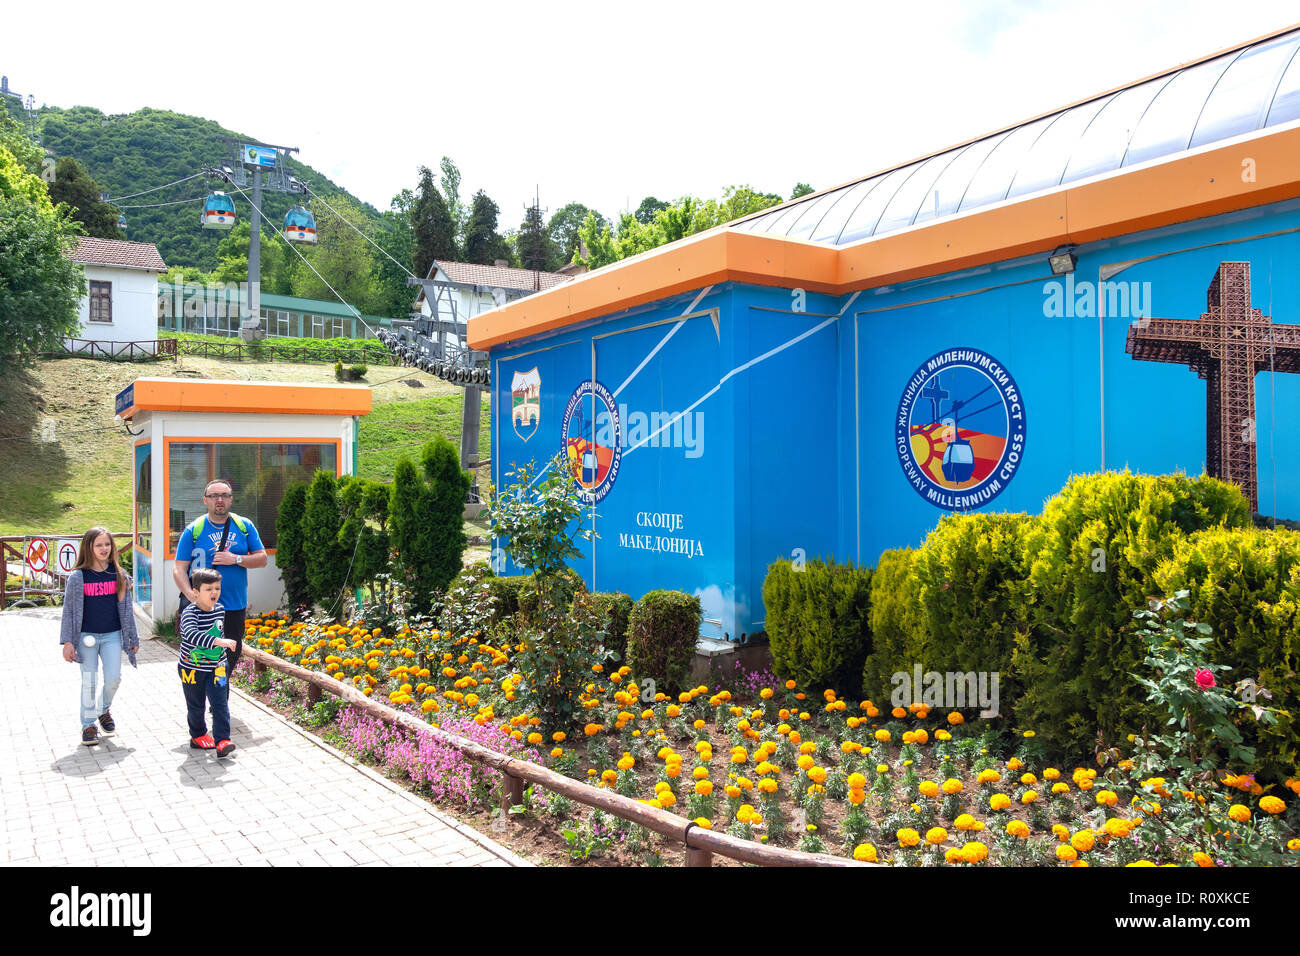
pixel 400 429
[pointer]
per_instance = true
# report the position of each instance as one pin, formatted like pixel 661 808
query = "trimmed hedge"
pixel 663 629
pixel 896 620
pixel 817 620
pixel 971 585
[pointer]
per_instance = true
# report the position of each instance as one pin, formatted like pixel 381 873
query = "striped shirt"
pixel 199 630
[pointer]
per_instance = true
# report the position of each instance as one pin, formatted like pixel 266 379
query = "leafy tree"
pixel 801 189
pixel 595 236
pixel 29 155
pixel 341 256
pixel 564 229
pixel 668 223
pixel 393 297
pixel 326 561
pixel 432 225
pixel 290 555
pixel 450 183
pixel 72 185
pixel 40 287
pixel 275 268
pixel 645 213
pixel 483 244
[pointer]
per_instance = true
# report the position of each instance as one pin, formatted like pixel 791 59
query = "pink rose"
pixel 1204 679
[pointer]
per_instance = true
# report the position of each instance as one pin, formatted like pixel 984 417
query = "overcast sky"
pixel 604 103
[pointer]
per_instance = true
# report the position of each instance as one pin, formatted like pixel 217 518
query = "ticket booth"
pixel 261 436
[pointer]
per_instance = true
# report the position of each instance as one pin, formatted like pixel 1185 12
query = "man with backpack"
pixel 228 543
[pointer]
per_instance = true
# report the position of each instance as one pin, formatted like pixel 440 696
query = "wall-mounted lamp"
pixel 1063 260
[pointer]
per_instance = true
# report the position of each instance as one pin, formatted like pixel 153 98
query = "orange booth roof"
pixel 215 395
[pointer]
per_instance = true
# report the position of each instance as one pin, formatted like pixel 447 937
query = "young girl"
pixel 98 625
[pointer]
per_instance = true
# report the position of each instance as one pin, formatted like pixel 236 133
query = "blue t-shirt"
pixel 234 579
pixel 99 612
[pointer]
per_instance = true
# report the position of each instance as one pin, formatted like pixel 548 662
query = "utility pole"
pixel 246 332
pixel 258 157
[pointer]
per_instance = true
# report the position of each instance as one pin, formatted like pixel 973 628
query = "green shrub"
pixel 363 508
pixel 1245 584
pixel 425 522
pixel 338 370
pixel 1092 557
pixel 448 488
pixel 663 629
pixel 468 609
pixel 325 561
pixel 507 590
pixel 614 608
pixel 356 372
pixel 567 582
pixel 896 620
pixel 290 557
pixel 971 583
pixel 817 619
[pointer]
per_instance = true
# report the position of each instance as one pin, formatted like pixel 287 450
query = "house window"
pixel 101 301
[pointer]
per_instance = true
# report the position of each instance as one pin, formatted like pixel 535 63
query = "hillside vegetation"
pixel 132 152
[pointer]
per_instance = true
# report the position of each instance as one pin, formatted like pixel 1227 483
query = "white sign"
pixel 67 556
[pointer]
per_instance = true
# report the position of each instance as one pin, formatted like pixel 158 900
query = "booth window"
pixel 143 497
pixel 101 301
pixel 260 471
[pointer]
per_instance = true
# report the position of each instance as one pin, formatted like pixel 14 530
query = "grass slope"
pixel 83 477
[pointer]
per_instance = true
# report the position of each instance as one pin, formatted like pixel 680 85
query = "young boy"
pixel 202 663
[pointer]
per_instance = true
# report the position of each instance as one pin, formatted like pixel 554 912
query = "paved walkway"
pixel 143 798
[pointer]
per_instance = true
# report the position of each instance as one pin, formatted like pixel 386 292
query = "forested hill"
pixel 129 153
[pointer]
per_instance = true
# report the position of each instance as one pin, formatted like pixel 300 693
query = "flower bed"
pixel 766 762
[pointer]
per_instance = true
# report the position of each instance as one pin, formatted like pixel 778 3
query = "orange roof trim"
pixel 1205 183
pixel 211 395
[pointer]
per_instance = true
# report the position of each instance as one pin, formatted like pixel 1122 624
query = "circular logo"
pixel 960 429
pixel 593 440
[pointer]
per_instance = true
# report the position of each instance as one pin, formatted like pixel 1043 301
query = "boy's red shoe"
pixel 202 743
pixel 224 747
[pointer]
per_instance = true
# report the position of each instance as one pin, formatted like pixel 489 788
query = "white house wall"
pixel 135 307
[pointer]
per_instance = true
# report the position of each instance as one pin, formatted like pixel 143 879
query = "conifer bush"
pixel 896 620
pixel 324 560
pixel 1244 583
pixel 818 621
pixel 663 629
pixel 290 556
pixel 1091 560
pixel 971 582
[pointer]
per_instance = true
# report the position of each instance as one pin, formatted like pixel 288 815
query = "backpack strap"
pixel 195 527
pixel 240 523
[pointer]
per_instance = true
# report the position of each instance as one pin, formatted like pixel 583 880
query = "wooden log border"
pixel 701 844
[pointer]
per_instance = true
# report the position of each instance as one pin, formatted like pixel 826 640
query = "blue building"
pixel 1112 285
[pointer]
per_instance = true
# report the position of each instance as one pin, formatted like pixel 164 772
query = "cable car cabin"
pixel 121 221
pixel 218 212
pixel 300 225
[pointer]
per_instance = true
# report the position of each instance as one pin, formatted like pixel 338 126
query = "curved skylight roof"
pixel 1239 92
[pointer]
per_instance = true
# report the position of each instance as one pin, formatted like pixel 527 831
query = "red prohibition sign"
pixel 38 555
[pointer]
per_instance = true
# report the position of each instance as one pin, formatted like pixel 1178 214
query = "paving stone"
pixel 144 797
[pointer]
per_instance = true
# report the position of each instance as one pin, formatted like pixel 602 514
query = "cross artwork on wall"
pixel 1227 346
